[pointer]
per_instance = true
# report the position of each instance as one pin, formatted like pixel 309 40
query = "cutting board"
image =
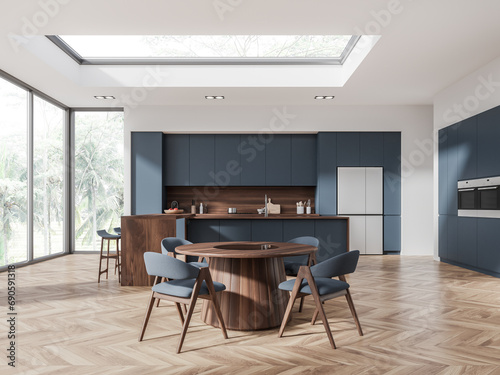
pixel 273 208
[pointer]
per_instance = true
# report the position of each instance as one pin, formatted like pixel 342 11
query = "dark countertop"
pixel 237 216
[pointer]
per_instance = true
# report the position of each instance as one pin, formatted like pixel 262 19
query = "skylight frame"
pixel 65 47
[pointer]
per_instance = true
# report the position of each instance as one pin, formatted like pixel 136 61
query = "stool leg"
pixel 107 262
pixel 100 261
pixel 118 264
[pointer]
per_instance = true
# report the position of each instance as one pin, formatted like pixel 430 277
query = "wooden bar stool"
pixel 109 237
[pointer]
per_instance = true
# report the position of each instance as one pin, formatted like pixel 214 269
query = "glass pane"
pixel 48 178
pixel 13 173
pixel 207 46
pixel 98 176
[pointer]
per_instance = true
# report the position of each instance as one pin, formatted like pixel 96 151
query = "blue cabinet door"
pixel 332 238
pixel 278 161
pixel 451 187
pixel 371 149
pixel 443 237
pixel 467 149
pixel 201 159
pixel 176 160
pixel 452 239
pixel 488 239
pixel 267 230
pixel 443 172
pixel 488 134
pixel 392 233
pixel 467 241
pixel 326 190
pixel 253 159
pixel 304 160
pixel 147 173
pixel 203 231
pixel 348 149
pixel 227 160
pixel 235 230
pixel 392 173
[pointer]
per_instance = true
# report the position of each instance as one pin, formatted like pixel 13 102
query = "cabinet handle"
pixel 460 190
pixel 488 188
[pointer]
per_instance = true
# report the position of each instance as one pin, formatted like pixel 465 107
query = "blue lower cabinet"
pixel 392 233
pixel 467 241
pixel 267 230
pixel 452 239
pixel 203 231
pixel 297 228
pixel 332 238
pixel 443 237
pixel 488 240
pixel 235 230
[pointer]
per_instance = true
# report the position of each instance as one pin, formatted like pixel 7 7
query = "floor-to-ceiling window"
pixel 13 173
pixel 98 172
pixel 48 178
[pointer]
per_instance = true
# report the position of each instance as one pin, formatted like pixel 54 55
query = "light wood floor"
pixel 419 317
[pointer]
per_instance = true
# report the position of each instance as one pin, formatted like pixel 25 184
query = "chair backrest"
pixel 118 230
pixel 170 243
pixel 305 240
pixel 166 266
pixel 342 264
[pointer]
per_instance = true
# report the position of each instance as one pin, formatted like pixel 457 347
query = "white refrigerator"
pixel 360 196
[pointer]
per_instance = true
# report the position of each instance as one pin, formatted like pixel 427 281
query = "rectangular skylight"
pixel 206 48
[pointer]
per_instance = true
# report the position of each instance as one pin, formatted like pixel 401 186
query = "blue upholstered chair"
pixel 105 236
pixel 317 281
pixel 292 264
pixel 185 284
pixel 169 244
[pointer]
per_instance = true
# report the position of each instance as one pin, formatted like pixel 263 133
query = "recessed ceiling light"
pixel 219 97
pixel 104 97
pixel 319 97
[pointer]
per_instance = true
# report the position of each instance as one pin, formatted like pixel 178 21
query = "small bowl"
pixel 261 210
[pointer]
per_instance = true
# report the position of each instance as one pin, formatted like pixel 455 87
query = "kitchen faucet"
pixel 265 205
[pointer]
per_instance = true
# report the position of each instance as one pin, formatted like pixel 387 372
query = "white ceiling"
pixel 425 46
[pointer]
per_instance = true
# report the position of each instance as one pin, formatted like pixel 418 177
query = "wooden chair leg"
pixel 353 312
pixel 192 303
pixel 118 264
pixel 107 262
pixel 148 314
pixel 179 310
pixel 213 296
pixel 315 316
pixel 100 261
pixel 301 304
pixel 291 301
pixel 319 306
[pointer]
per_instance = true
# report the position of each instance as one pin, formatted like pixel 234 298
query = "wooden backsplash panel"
pixel 246 199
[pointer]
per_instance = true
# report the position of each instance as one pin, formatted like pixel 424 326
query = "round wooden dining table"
pixel 251 272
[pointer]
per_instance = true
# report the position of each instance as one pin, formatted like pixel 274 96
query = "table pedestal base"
pixel 252 300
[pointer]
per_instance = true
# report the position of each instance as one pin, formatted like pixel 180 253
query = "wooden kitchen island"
pixel 142 233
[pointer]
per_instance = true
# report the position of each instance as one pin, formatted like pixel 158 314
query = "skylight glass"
pixel 208 47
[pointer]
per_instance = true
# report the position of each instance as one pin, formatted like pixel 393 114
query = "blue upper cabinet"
pixel 348 150
pixel 371 149
pixel 252 152
pixel 392 173
pixel 443 172
pixel 278 160
pixel 467 149
pixel 304 160
pixel 488 136
pixel 227 160
pixel 326 190
pixel 146 171
pixel 201 159
pixel 176 160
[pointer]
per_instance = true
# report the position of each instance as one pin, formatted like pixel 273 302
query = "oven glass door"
pixel 467 199
pixel 489 198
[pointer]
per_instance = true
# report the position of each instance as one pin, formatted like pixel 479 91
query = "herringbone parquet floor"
pixel 419 316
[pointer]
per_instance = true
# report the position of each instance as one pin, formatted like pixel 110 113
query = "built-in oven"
pixel 479 197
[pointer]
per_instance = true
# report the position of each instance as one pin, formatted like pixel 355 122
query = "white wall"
pixel 415 123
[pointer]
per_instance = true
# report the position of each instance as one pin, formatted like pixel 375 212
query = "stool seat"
pixel 105 236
